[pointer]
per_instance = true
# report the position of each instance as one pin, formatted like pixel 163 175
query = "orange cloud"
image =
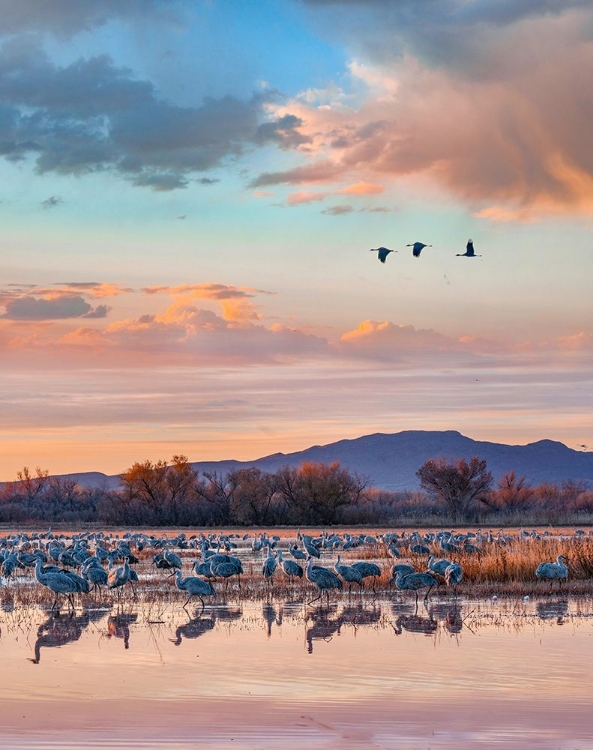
pixel 362 188
pixel 305 196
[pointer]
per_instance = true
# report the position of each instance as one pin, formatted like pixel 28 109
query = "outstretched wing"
pixel 470 249
pixel 383 253
pixel 417 249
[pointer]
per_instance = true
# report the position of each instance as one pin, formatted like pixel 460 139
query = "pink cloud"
pixel 361 188
pixel 305 196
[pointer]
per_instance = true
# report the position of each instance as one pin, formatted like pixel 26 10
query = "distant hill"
pixel 391 460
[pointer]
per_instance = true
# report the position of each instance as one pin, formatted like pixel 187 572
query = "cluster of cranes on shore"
pixel 89 553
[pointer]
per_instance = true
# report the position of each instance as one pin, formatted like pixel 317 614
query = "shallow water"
pixel 279 674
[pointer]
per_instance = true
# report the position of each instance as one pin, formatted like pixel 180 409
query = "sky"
pixel 189 191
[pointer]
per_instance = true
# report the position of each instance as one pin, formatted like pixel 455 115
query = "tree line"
pixel 173 493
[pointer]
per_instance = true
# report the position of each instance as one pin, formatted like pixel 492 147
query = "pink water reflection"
pixel 252 675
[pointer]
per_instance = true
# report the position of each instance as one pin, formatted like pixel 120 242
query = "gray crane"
pixel 415 582
pixel 453 575
pixel 438 566
pixel 469 251
pixel 550 571
pixel 58 583
pixel 323 578
pixel 417 248
pixel 291 568
pixel 403 568
pixel 383 252
pixel 269 566
pixel 194 586
pixel 368 570
pixel 349 573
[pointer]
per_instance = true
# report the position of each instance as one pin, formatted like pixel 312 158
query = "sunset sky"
pixel 189 191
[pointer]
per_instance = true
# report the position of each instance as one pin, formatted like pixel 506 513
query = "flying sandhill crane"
pixel 469 251
pixel 417 248
pixel 323 578
pixel 557 571
pixel 383 252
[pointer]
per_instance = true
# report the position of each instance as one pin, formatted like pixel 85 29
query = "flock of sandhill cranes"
pixel 417 248
pixel 96 558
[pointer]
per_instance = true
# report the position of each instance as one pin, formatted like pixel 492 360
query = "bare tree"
pixel 457 484
pixel 513 493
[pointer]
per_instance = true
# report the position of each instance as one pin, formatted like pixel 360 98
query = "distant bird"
pixel 469 251
pixel 417 248
pixel 383 252
pixel 415 582
pixel 553 571
pixel 194 586
pixel 323 578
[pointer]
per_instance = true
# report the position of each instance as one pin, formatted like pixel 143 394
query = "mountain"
pixel 391 460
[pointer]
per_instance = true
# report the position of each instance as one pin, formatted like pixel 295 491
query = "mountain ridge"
pixel 390 460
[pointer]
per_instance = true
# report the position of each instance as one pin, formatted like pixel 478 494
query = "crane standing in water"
pixel 323 578
pixel 194 586
pixel 549 571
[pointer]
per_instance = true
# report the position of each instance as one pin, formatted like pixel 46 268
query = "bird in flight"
pixel 383 252
pixel 469 251
pixel 417 248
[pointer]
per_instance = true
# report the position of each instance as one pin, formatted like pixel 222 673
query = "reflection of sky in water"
pixel 258 660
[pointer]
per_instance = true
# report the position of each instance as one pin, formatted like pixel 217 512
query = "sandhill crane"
pixel 415 582
pixel 438 566
pixel 469 251
pixel 417 248
pixel 368 570
pixel 402 568
pixel 453 575
pixel 291 568
pixel 58 583
pixel 194 586
pixel 269 566
pixel 323 578
pixel 383 252
pixel 349 573
pixel 557 571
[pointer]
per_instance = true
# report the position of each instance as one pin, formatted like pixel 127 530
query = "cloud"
pixel 284 132
pixel 60 307
pixel 52 202
pixel 67 17
pixel 305 196
pixel 203 291
pixel 486 99
pixel 92 115
pixel 339 210
pixel 322 171
pixel 361 188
